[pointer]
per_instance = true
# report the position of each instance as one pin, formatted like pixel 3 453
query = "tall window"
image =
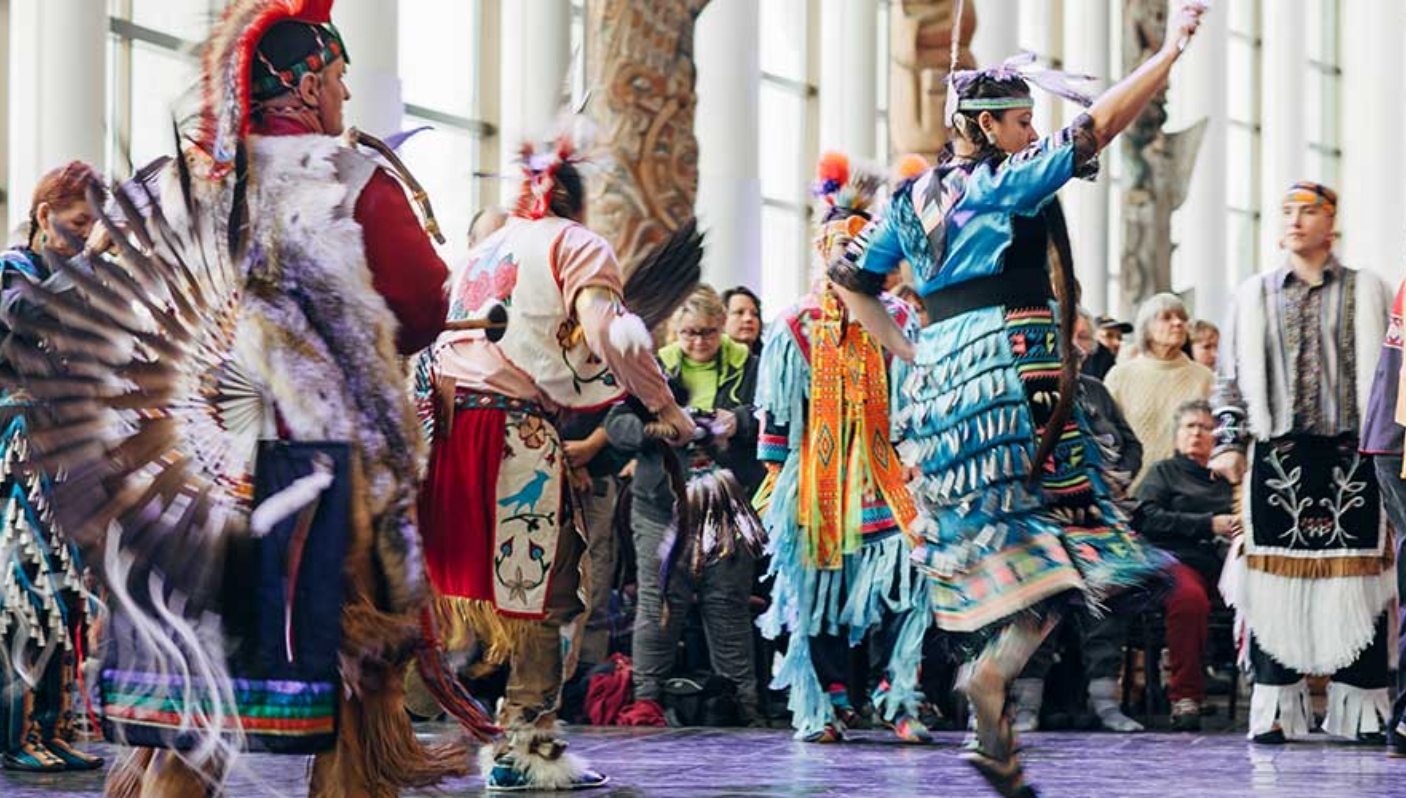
pixel 1243 136
pixel 153 68
pixel 1323 90
pixel 787 98
pixel 440 74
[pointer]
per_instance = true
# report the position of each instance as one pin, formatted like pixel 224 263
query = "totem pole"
pixel 920 41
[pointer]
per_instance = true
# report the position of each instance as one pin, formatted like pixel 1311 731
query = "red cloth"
pixel 405 268
pixel 642 713
pixel 458 504
pixel 609 691
pixel 1188 614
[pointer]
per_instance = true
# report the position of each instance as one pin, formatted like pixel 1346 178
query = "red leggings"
pixel 1188 612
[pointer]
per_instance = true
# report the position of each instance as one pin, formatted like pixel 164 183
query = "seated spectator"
pixel 1150 387
pixel 1100 638
pixel 1187 511
pixel 1205 343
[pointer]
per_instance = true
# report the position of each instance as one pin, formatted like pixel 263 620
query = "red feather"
pixel 833 166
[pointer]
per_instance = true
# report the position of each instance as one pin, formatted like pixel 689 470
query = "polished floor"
pixel 728 762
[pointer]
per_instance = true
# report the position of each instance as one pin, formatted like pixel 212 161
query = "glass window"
pixel 165 79
pixel 784 262
pixel 438 56
pixel 444 160
pixel 783 32
pixel 188 19
pixel 782 119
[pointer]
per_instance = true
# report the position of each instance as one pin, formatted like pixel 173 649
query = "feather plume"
pixel 666 276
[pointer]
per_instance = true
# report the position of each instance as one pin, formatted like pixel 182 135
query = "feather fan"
pixel 666 276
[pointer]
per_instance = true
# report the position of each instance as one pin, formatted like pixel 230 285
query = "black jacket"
pixel 1177 500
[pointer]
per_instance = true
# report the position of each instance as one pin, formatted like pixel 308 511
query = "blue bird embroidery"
pixel 530 494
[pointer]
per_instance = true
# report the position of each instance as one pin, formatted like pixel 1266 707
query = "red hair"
pixel 61 188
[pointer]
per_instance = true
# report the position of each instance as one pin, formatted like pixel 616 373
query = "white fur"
pixel 544 774
pixel 292 499
pixel 628 335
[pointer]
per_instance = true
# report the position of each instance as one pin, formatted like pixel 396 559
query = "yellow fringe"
pixel 461 621
pixel 1299 568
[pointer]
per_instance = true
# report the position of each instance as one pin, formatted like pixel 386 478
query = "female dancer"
pixel 1013 512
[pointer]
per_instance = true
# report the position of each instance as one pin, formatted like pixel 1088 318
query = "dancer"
pixel 836 506
pixel 1311 573
pixel 1012 509
pixel 44 607
pixel 257 320
pixel 503 544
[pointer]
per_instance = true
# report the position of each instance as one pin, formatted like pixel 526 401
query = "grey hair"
pixel 1152 308
pixel 1086 316
pixel 1190 406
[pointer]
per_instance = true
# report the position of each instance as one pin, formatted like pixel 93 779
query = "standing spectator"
pixel 1109 335
pixel 1188 512
pixel 744 318
pixel 593 465
pixel 1150 388
pixel 1382 434
pixel 711 562
pixel 1313 579
pixel 1205 343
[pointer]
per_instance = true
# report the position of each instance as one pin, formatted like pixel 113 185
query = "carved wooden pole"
pixel 640 72
pixel 920 42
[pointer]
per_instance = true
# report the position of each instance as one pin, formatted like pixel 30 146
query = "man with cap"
pixel 1109 333
pixel 1310 575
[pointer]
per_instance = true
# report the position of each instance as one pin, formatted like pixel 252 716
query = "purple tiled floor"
pixel 727 762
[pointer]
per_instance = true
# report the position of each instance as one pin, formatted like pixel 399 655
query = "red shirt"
pixel 405 268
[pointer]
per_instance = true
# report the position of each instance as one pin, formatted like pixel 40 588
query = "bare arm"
pixel 1116 108
pixel 870 312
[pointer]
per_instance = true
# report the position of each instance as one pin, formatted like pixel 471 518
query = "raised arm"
pixel 1116 108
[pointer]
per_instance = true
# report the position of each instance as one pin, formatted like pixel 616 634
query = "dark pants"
pixel 1100 644
pixel 1394 497
pixel 722 593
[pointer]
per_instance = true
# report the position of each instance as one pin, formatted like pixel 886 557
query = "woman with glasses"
pixel 1187 511
pixel 714 557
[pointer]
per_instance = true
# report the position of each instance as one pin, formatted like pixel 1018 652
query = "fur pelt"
pixel 541 755
pixel 325 338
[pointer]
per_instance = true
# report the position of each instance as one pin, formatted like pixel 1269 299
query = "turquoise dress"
pixel 984 381
pixel 42 599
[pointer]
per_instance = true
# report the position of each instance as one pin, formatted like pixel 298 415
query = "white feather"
pixel 628 335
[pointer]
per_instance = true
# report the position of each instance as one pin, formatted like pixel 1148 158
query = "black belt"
pixel 1017 288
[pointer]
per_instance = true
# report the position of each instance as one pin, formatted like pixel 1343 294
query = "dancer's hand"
pixel 1229 466
pixel 1182 25
pixel 683 426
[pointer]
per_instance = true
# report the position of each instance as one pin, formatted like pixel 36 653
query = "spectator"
pixel 485 223
pixel 1100 639
pixel 744 318
pixel 1109 334
pixel 1151 387
pixel 1205 343
pixel 1188 512
pixel 712 562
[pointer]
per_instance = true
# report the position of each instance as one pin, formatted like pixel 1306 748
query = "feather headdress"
pixel 226 87
pixel 846 189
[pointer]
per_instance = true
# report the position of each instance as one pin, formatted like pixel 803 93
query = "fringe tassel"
pixel 440 680
pixel 1313 625
pixel 1288 705
pixel 904 695
pixel 1355 710
pixel 460 622
pixel 809 703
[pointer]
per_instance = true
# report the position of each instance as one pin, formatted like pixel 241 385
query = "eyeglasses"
pixel 698 334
